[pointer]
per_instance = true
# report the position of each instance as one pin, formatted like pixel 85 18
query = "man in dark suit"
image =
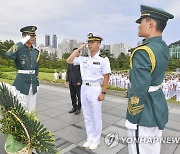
pixel 73 78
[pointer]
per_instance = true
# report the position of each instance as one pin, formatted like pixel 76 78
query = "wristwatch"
pixel 103 92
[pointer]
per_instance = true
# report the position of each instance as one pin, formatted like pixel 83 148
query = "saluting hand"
pixel 82 46
pixel 25 39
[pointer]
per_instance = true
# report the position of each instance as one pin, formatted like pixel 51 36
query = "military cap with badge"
pixel 28 31
pixel 158 13
pixel 93 36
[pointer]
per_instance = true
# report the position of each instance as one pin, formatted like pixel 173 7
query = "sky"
pixel 74 19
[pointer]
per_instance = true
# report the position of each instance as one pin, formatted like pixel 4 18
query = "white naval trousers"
pixel 29 101
pixel 92 112
pixel 145 147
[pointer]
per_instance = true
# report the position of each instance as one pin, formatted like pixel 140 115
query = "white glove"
pixel 25 39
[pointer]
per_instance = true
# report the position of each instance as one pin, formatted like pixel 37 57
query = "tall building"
pixel 47 41
pixel 84 50
pixel 118 48
pixel 54 41
pixel 65 46
pixel 174 51
pixel 72 45
pixel 107 47
pixel 68 45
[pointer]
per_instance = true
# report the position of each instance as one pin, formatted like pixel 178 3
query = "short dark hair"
pixel 75 49
pixel 160 24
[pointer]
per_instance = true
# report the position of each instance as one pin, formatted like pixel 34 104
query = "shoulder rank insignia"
pixel 133 107
pixel 102 55
pixel 13 48
pixel 143 42
pixel 140 45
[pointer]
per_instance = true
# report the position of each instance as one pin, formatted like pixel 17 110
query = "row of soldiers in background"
pixel 60 75
pixel 119 80
pixel 171 86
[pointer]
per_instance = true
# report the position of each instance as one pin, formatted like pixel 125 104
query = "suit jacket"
pixel 73 75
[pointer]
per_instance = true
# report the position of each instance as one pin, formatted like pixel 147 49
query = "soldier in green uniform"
pixel 147 112
pixel 26 59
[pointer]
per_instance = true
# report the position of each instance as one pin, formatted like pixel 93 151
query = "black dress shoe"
pixel 72 111
pixel 77 112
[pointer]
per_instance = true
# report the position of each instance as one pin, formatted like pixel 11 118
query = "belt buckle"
pixel 87 84
pixel 30 71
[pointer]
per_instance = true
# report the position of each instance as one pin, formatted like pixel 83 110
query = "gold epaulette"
pixel 14 48
pixel 38 57
pixel 150 53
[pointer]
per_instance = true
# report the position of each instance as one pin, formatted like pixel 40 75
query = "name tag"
pixel 96 63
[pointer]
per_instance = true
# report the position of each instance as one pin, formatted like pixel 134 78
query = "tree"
pixel 106 53
pixel 65 55
pixel 4 47
pixel 120 63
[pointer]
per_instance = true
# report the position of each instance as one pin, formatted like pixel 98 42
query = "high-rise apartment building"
pixel 118 48
pixel 54 41
pixel 68 45
pixel 47 41
pixel 72 45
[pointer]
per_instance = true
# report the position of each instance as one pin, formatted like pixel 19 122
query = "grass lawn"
pixel 173 100
pixel 42 76
pixel 11 75
pixel 7 81
pixel 46 76
pixel 49 77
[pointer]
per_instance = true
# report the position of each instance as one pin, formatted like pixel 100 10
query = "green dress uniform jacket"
pixel 25 58
pixel 148 69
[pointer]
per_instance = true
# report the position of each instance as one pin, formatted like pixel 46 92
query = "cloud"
pixel 75 18
pixel 19 13
pixel 174 8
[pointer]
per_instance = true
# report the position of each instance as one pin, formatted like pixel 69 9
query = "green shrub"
pixel 46 70
pixel 116 88
pixel 2 75
pixel 20 124
pixel 4 68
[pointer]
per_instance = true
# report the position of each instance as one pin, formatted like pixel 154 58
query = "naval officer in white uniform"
pixel 95 72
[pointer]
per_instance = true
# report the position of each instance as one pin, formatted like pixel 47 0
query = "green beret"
pixel 147 11
pixel 93 36
pixel 28 29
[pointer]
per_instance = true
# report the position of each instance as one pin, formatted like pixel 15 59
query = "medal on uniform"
pixel 23 62
pixel 85 62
